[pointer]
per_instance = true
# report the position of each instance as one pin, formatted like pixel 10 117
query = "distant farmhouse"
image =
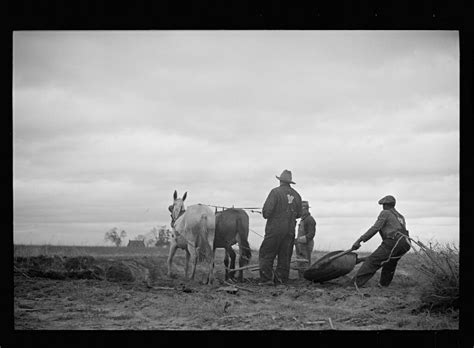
pixel 136 244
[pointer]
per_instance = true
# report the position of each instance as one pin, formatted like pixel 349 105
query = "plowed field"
pixel 118 288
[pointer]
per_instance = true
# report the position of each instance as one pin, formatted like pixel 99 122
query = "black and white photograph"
pixel 236 179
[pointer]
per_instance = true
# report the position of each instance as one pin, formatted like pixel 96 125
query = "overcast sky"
pixel 107 124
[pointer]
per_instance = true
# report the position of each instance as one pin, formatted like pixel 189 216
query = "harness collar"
pixel 173 221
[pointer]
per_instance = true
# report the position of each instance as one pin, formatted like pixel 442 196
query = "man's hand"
pixel 356 245
pixel 301 239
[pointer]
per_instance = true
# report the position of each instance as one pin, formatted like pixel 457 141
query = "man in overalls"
pixel 392 227
pixel 281 209
pixel 304 241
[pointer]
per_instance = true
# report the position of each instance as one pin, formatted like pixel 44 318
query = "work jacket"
pixel 307 227
pixel 388 223
pixel 281 209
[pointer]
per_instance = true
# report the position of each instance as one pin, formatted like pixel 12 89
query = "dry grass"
pixel 438 266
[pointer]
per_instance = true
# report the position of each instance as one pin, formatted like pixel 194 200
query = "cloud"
pixel 109 124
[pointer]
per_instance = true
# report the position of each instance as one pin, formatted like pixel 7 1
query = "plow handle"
pixel 342 253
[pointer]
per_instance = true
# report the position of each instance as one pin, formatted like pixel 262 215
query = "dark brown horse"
pixel 232 226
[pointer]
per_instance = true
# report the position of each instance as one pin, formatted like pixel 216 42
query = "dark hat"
pixel 285 177
pixel 387 200
pixel 305 204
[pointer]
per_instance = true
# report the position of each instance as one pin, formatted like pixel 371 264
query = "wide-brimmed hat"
pixel 387 200
pixel 285 177
pixel 305 204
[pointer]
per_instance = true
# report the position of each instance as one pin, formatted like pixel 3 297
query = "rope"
pixel 391 252
pixel 357 288
pixel 256 233
pixel 188 242
pixel 425 249
pixel 398 240
pixel 253 210
pixel 276 277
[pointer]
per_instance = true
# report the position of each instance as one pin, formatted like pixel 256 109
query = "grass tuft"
pixel 439 267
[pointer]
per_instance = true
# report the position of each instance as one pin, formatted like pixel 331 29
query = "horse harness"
pixel 173 221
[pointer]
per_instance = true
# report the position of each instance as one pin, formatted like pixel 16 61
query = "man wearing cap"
pixel 392 228
pixel 304 242
pixel 281 209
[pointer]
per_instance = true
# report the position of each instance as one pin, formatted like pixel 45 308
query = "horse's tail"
pixel 204 249
pixel 244 247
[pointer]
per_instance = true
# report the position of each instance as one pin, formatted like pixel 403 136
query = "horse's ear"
pixel 170 208
pixel 184 196
pixel 175 195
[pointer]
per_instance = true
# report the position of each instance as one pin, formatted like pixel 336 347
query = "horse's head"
pixel 177 208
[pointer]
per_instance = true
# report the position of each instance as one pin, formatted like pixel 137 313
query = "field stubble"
pixel 123 288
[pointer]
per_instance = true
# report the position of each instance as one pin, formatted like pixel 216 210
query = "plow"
pixel 330 266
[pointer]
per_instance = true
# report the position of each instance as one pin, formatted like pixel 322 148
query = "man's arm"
pixel 310 230
pixel 299 207
pixel 382 218
pixel 269 205
pixel 310 227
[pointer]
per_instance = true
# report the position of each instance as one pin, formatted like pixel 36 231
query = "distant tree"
pixel 140 237
pixel 149 242
pixel 152 237
pixel 115 237
pixel 164 236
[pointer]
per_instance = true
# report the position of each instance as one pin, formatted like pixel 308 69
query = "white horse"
pixel 193 227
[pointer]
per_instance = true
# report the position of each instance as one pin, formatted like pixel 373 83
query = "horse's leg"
pixel 193 256
pixel 244 247
pixel 226 264
pixel 243 261
pixel 232 261
pixel 210 276
pixel 173 247
pixel 186 265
